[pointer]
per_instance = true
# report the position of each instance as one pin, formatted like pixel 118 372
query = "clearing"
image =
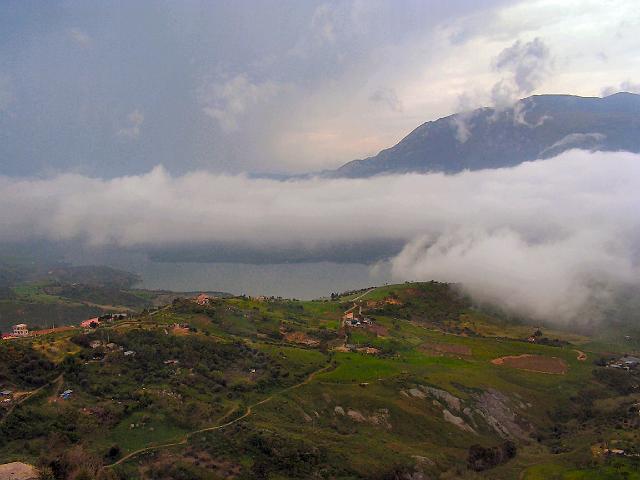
pixel 533 363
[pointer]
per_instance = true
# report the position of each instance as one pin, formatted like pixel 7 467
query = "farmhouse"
pixel 91 323
pixel 20 330
pixel 203 299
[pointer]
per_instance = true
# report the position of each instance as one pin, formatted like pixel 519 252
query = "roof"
pixel 20 325
pixel 6 392
pixel 630 359
pixel 87 323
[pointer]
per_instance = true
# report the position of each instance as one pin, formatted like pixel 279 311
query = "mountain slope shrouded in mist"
pixel 537 127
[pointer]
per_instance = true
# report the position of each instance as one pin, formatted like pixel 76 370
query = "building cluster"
pixel 352 319
pixel 628 362
pixel 21 330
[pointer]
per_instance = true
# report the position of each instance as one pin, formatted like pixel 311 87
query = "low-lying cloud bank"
pixel 546 237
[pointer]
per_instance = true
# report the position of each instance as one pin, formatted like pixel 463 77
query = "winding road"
pixel 248 412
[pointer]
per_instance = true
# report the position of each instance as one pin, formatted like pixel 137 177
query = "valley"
pixel 398 381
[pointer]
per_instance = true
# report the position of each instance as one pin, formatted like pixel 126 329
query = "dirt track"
pixel 248 412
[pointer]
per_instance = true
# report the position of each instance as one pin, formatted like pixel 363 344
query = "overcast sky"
pixel 107 88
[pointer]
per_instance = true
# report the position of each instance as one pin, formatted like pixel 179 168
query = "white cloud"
pixel 542 237
pixel 228 101
pixel 80 37
pixel 626 86
pixel 576 140
pixel 135 119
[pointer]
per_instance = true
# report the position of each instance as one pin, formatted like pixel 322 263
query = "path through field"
pixel 581 355
pixel 58 380
pixel 249 411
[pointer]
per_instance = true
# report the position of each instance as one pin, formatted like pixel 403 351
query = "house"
pixel 203 299
pixel 6 393
pixel 91 323
pixel 171 362
pixel 129 353
pixel 348 316
pixel 66 394
pixel 20 330
pixel 95 344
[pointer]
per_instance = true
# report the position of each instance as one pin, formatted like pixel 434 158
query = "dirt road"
pixel 248 412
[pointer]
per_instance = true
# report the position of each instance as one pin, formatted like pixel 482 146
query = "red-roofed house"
pixel 91 323
pixel 202 299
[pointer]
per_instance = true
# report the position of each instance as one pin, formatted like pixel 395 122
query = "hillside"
pixel 43 295
pixel 540 126
pixel 404 381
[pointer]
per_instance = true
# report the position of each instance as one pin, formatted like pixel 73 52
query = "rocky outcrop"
pixel 494 407
pixel 457 421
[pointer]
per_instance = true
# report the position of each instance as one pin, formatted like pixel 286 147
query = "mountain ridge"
pixel 536 127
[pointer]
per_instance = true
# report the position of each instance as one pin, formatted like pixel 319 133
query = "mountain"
pixel 536 127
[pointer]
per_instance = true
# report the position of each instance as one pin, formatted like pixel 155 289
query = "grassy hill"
pixel 428 387
pixel 43 295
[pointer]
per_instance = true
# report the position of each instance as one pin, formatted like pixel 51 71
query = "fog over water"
pixel 547 238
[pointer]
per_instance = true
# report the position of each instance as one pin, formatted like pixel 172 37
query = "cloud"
pixel 576 140
pixel 526 64
pixel 626 86
pixel 523 67
pixel 462 122
pixel 388 97
pixel 134 123
pixel 228 101
pixel 551 279
pixel 80 37
pixel 545 237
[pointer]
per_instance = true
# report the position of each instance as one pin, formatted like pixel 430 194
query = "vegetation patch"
pixel 445 348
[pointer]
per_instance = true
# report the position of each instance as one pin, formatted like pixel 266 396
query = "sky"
pixel 113 88
pixel 148 127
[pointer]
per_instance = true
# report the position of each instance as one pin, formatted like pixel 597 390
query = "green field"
pixel 271 388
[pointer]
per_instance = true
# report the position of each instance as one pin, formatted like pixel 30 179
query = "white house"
pixel 20 330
